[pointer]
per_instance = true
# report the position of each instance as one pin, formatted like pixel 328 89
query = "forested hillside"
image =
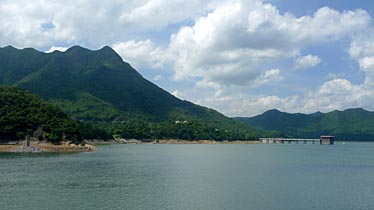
pixel 23 113
pixel 105 94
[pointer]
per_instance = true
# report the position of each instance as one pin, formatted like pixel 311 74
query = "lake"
pixel 258 177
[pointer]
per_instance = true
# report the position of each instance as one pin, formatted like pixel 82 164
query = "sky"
pixel 240 57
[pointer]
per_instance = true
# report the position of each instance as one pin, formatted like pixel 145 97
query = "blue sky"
pixel 301 8
pixel 241 57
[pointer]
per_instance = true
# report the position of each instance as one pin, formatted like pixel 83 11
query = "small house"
pixel 327 140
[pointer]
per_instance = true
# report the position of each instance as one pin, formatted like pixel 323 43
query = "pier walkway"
pixel 328 140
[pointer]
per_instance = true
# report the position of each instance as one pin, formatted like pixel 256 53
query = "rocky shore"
pixel 177 141
pixel 167 141
pixel 65 147
pixel 37 147
pixel 30 149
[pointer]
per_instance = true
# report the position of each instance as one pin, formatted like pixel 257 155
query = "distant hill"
pixel 351 124
pixel 23 113
pixel 102 91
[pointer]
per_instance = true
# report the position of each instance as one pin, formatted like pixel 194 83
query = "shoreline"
pixel 90 145
pixel 167 141
pixel 41 147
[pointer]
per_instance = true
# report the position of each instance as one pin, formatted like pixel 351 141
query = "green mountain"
pixel 351 124
pixel 23 113
pixel 103 92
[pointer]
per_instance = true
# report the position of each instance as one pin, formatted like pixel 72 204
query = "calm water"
pixel 264 176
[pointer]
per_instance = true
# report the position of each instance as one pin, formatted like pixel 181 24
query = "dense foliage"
pixel 23 113
pixel 351 124
pixel 108 97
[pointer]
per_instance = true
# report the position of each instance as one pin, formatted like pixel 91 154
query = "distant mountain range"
pixel 351 124
pixel 105 94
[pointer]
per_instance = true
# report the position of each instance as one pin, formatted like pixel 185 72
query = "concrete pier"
pixel 325 140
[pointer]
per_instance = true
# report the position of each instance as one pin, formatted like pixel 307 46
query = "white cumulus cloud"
pixel 307 61
pixel 93 24
pixel 229 44
pixel 269 76
pixel 158 78
pixel 362 51
pixel 54 48
pixel 156 14
pixel 141 54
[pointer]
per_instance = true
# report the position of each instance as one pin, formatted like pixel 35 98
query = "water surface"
pixel 259 177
